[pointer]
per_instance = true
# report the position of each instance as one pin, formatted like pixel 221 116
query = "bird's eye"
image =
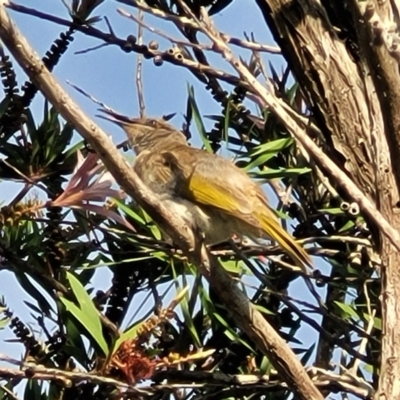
pixel 152 122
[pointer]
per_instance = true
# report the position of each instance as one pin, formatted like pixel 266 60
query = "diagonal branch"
pixel 245 315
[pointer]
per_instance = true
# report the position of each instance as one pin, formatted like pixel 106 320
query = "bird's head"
pixel 147 133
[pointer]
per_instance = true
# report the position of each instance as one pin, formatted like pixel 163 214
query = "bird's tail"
pixel 275 232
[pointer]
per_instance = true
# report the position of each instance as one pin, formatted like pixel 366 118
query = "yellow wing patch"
pixel 207 192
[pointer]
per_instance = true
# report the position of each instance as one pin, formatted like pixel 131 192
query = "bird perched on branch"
pixel 211 194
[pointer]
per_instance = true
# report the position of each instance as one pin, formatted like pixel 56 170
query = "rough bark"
pixel 350 77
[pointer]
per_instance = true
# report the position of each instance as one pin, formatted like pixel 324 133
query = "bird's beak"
pixel 119 119
pixel 133 127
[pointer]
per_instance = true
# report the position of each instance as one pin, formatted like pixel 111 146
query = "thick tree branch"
pixel 377 24
pixel 346 61
pixel 377 28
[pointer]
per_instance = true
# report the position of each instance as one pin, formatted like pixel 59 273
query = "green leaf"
pixel 263 310
pixel 33 307
pixel 187 315
pixel 75 346
pixel 348 225
pixel 377 321
pixel 275 146
pixel 265 366
pixel 218 6
pixel 33 390
pixel 307 355
pixel 230 333
pixel 227 122
pixel 348 311
pixel 130 212
pixel 4 105
pixel 86 312
pixel 4 322
pixel 198 120
pixel 34 292
pixel 72 150
pixel 332 211
pixel 291 93
pixel 236 267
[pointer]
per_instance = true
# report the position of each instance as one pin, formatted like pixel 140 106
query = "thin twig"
pixel 139 67
pixel 168 56
pixel 189 379
pixel 28 181
pixel 161 33
pixel 187 22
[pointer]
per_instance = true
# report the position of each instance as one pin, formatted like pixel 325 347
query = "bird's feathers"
pixel 214 181
pixel 274 231
pixel 208 187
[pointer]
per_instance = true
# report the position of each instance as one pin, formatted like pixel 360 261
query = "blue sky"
pixel 109 74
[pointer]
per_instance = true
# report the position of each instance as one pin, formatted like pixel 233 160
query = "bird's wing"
pixel 151 169
pixel 214 181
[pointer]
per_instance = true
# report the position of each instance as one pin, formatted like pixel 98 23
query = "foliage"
pixel 55 241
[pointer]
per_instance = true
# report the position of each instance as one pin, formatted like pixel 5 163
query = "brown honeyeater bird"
pixel 212 194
